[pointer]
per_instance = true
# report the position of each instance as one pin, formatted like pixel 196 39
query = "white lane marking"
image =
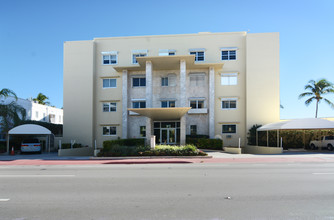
pixel 323 173
pixel 4 200
pixel 33 175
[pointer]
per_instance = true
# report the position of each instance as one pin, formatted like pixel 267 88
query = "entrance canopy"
pixel 161 113
pixel 299 124
pixel 29 129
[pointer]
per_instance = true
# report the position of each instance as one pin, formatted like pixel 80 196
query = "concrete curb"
pixel 151 157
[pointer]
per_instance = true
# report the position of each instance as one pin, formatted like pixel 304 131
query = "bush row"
pixel 205 143
pixel 132 142
pixel 160 150
pixel 68 145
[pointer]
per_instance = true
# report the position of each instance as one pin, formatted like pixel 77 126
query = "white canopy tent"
pixel 29 129
pixel 296 124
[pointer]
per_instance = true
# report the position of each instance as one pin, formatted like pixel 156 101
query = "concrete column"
pixel 149 130
pixel 183 130
pixel 183 84
pixel 212 102
pixel 149 85
pixel 125 104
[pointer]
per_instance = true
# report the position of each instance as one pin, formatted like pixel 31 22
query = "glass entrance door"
pixel 168 136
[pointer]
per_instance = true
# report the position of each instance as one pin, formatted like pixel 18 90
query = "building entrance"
pixel 167 132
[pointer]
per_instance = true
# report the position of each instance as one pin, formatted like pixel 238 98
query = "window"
pixel 109 107
pixel 168 104
pixel 229 103
pixel 166 52
pixel 138 82
pixel 229 129
pixel 109 130
pixel 199 55
pixel 44 119
pixel 229 79
pixel 109 58
pixel 138 53
pixel 142 131
pixel 164 81
pixel 196 79
pixel 196 104
pixel 139 104
pixel 193 129
pixel 109 83
pixel 228 53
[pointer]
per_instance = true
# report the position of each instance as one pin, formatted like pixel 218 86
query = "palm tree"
pixel 4 93
pixel 317 90
pixel 10 114
pixel 41 99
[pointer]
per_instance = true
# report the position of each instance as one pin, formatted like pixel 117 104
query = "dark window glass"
pixel 229 129
pixel 193 104
pixel 142 81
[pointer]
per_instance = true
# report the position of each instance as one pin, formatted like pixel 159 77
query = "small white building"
pixel 36 112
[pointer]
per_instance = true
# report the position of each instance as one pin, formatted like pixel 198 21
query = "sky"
pixel 32 33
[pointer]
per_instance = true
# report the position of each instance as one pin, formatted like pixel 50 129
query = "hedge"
pixel 68 145
pixel 116 150
pixel 3 147
pixel 205 143
pixel 132 142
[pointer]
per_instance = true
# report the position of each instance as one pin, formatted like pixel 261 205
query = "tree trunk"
pixel 316 110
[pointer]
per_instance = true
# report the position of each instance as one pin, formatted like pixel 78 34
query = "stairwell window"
pixel 109 107
pixel 193 129
pixel 109 83
pixel 109 130
pixel 229 129
pixel 229 79
pixel 229 103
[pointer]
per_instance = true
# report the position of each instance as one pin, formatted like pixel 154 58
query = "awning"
pixel 299 124
pixel 162 113
pixel 29 129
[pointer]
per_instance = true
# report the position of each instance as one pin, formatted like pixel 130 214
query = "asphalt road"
pixel 168 191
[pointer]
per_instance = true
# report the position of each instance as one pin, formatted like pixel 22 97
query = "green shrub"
pixel 205 143
pixel 68 145
pixel 116 150
pixel 123 142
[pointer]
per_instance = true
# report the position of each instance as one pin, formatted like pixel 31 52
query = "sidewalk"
pixel 216 157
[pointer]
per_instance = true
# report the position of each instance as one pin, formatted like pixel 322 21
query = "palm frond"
pixel 7 92
pixel 308 101
pixel 305 94
pixel 331 104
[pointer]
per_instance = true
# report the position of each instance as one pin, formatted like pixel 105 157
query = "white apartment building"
pixel 37 112
pixel 170 86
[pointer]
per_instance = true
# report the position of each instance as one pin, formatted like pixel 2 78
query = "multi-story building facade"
pixel 170 86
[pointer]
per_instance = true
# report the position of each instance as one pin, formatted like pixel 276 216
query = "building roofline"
pixel 172 35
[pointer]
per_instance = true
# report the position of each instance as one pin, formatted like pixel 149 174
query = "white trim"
pixel 229 48
pixel 197 74
pixel 139 51
pixel 197 50
pixel 196 98
pixel 110 53
pixel 136 100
